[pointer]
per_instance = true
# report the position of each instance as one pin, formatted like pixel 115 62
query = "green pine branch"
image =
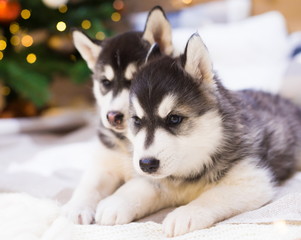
pixel 32 81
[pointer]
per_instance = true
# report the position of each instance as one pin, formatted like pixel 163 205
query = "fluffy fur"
pixel 113 62
pixel 213 152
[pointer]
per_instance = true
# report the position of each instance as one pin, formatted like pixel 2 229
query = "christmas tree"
pixel 35 44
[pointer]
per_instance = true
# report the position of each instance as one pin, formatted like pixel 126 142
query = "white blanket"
pixel 23 217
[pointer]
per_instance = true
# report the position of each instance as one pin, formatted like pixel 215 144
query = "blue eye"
pixel 173 120
pixel 137 121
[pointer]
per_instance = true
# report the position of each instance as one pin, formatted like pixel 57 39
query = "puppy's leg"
pixel 246 187
pixel 135 199
pixel 100 180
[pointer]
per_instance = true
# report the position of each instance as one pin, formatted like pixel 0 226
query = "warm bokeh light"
pixel 15 40
pixel 63 9
pixel 100 35
pixel 25 14
pixel 86 24
pixel 116 17
pixel 27 41
pixel 61 26
pixel 31 58
pixel 187 1
pixel 281 226
pixel 2 45
pixel 54 42
pixel 5 91
pixel 118 5
pixel 14 28
pixel 1 55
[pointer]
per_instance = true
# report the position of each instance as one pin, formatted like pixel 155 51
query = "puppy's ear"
pixel 88 49
pixel 158 30
pixel 197 62
pixel 153 52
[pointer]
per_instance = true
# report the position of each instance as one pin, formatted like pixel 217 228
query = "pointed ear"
pixel 158 30
pixel 197 61
pixel 88 49
pixel 153 52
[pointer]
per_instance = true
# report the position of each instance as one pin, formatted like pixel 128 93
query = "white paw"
pixel 114 210
pixel 78 213
pixel 185 219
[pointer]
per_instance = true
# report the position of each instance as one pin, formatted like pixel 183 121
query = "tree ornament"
pixel 55 3
pixel 9 10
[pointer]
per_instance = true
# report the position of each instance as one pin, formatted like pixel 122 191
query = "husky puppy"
pixel 212 152
pixel 113 62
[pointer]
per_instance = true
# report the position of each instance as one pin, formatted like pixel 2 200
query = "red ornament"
pixel 9 10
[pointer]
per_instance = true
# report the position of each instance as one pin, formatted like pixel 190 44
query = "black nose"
pixel 149 165
pixel 115 118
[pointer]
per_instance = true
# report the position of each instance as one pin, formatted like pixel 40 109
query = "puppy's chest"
pixel 183 192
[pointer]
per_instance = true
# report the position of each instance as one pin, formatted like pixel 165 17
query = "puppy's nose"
pixel 115 118
pixel 149 165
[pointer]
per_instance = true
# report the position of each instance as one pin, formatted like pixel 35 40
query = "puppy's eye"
pixel 174 120
pixel 106 83
pixel 137 121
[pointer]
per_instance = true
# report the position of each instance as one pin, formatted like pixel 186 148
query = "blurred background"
pixel 41 73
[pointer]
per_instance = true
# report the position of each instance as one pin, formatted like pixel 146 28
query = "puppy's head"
pixel 175 123
pixel 114 62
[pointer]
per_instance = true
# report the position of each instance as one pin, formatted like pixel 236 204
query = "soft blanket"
pixel 27 218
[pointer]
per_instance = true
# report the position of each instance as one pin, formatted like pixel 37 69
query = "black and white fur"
pixel 211 152
pixel 113 62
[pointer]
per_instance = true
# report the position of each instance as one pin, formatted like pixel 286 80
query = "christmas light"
pixel 5 91
pixel 54 42
pixel 100 35
pixel 55 3
pixel 86 24
pixel 187 1
pixel 25 14
pixel 116 17
pixel 63 9
pixel 61 26
pixel 27 41
pixel 31 58
pixel 280 226
pixel 15 40
pixel 2 45
pixel 14 28
pixel 118 5
pixel 1 55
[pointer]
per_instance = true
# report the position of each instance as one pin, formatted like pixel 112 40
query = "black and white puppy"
pixel 211 152
pixel 113 62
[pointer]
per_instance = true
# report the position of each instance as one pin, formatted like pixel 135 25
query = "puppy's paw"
pixel 185 219
pixel 115 210
pixel 78 213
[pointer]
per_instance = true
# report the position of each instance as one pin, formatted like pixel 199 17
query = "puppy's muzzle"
pixel 149 165
pixel 115 118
